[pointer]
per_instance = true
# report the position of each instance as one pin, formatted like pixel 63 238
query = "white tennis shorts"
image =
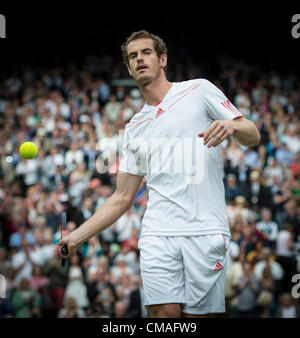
pixel 188 269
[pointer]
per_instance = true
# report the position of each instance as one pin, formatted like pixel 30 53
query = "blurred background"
pixel 63 86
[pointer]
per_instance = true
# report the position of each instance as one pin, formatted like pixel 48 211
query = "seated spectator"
pixel 112 108
pixel 256 254
pixel 29 170
pixel 258 194
pixel 131 244
pixel 24 260
pixel 124 289
pixel 107 299
pixel 295 167
pixel 78 182
pixel 249 237
pixel 265 302
pixel 286 307
pixel 251 158
pixel 247 289
pixel 274 173
pixel 242 208
pixel 6 308
pixel 234 153
pixel 285 256
pixel 268 227
pixel 22 232
pixel 125 223
pixel 44 246
pixel 41 284
pixel 10 283
pixel 84 211
pixel 268 260
pixel 25 301
pixel 98 283
pixel 4 261
pixel 232 189
pixel 136 308
pixel 71 310
pixel 58 277
pixel 92 249
pixel 38 281
pixel 73 157
pixel 291 217
pixel 98 311
pixel 119 310
pixel 284 156
pixel 76 288
pixel 119 269
pixel 279 199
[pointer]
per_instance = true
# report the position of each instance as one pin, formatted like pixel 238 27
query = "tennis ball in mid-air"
pixel 28 150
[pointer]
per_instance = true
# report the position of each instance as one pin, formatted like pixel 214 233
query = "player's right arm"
pixel 121 200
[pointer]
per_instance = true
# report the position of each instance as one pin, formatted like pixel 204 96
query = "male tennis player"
pixel 185 232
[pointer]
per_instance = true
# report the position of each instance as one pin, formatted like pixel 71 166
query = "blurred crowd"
pixel 76 116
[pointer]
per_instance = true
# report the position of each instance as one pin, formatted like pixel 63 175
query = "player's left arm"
pixel 243 130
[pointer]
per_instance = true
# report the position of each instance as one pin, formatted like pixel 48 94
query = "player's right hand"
pixel 72 247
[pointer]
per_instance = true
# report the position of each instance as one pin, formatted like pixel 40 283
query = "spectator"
pixel 6 308
pixel 15 239
pixel 295 167
pixel 76 288
pixel 73 157
pixel 268 227
pixel 268 261
pixel 136 308
pixel 38 281
pixel 287 308
pixel 25 301
pixel 232 189
pixel 247 293
pixel 112 108
pixel 85 211
pixel 279 200
pixel 251 159
pixel 125 223
pixel 285 257
pixel 58 280
pixel 119 269
pixel 291 217
pixel 131 244
pixel 108 299
pixel 265 301
pixel 258 193
pixel 256 254
pixel 23 261
pixel 119 310
pixel 71 310
pixel 284 156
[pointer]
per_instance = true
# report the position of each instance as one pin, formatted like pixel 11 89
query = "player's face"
pixel 144 64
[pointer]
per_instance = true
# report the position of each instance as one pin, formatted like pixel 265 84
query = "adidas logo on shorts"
pixel 218 266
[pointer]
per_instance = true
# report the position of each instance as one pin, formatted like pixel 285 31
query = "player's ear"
pixel 128 68
pixel 163 60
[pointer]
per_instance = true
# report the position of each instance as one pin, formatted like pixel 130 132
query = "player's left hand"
pixel 217 132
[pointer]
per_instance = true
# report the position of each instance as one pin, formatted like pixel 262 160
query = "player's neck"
pixel 155 91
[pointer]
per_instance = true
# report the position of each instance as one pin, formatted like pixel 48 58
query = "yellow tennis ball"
pixel 28 150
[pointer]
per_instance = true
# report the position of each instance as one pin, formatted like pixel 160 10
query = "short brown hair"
pixel 159 45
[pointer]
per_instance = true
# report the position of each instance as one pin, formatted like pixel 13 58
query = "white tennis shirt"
pixel 184 177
